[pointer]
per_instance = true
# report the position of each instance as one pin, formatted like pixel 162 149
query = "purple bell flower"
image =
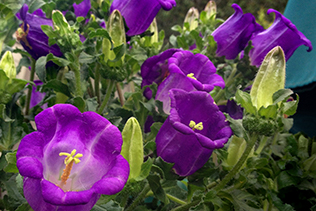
pixel 82 9
pixel 234 34
pixel 193 130
pixel 179 69
pixel 71 160
pixel 139 14
pixel 235 111
pixel 281 33
pixel 31 36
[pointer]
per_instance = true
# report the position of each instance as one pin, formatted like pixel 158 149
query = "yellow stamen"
pixel 69 161
pixel 191 75
pixel 194 126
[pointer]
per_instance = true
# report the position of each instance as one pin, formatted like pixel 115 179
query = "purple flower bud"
pixel 139 14
pixel 179 69
pixel 235 111
pixel 31 36
pixel 37 96
pixel 234 34
pixel 281 33
pixel 71 160
pixel 82 9
pixel 193 130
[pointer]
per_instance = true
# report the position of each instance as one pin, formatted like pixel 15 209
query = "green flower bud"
pixel 7 65
pixel 117 32
pixel 270 78
pixel 132 148
pixel 153 28
pixel 260 126
pixel 210 10
pixel 191 18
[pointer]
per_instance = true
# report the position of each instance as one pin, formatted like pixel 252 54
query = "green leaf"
pixel 145 170
pixel 40 68
pixel 289 108
pixel 57 86
pixel 36 4
pixel 16 85
pixel 155 186
pixel 237 127
pixel 132 148
pixel 79 103
pixel 281 95
pixel 110 206
pixel 4 79
pixel 11 159
pixel 85 58
pixel 269 112
pixel 15 197
pixel 244 99
pixel 285 180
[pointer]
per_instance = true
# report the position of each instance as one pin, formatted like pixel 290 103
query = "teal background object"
pixel 301 67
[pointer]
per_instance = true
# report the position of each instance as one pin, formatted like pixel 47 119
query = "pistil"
pixel 69 161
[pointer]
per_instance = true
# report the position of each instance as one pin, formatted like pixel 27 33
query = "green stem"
pixel 29 93
pixel 120 93
pixel 139 198
pixel 76 70
pixel 175 199
pixel 262 144
pixel 186 207
pixel 228 82
pixel 239 164
pixel 107 96
pixel 97 83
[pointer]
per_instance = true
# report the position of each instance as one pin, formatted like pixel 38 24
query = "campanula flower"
pixel 31 36
pixel 234 34
pixel 71 160
pixel 179 69
pixel 139 14
pixel 281 33
pixel 194 128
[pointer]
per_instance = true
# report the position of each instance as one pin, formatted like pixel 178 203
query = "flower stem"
pixel 76 70
pixel 29 93
pixel 239 164
pixel 107 96
pixel 120 93
pixel 175 199
pixel 139 198
pixel 97 83
pixel 228 82
pixel 186 206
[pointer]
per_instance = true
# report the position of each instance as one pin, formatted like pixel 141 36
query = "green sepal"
pixel 244 99
pixel 132 148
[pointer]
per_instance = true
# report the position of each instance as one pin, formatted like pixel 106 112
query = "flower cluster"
pixel 235 33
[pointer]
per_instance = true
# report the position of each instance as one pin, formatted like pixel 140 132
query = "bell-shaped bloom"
pixel 232 109
pixel 82 9
pixel 37 96
pixel 31 36
pixel 71 160
pixel 194 128
pixel 139 14
pixel 281 33
pixel 234 34
pixel 179 69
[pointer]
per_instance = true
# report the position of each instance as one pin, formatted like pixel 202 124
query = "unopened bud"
pixel 191 18
pixel 270 78
pixel 117 33
pixel 7 65
pixel 153 28
pixel 210 10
